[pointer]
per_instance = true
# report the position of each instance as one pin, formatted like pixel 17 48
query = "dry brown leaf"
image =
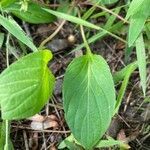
pixel 53 117
pixel 52 148
pixel 37 118
pixel 121 135
pixel 120 45
pixel 48 122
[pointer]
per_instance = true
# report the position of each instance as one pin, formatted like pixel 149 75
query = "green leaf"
pixel 10 25
pixel 120 75
pixel 1 39
pixel 134 7
pixel 108 143
pixel 141 59
pixel 64 6
pixel 111 19
pixel 147 30
pixel 72 19
pixel 70 145
pixel 70 142
pixel 34 14
pixel 137 22
pixel 26 86
pixel 89 98
pixel 147 100
pixel 70 138
pixel 126 72
pixel 105 1
pixel 5 3
pixel 109 1
pixel 2 135
pixel 80 21
pixel 128 51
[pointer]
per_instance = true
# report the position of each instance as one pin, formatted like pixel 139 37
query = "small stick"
pixel 53 34
pixel 111 12
pixel 25 140
pixel 47 131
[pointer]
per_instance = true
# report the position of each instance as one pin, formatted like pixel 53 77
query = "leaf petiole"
pixel 88 50
pixel 6 147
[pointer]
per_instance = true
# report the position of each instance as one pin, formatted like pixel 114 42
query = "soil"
pixel 131 124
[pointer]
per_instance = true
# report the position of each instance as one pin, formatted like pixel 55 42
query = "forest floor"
pixel 131 124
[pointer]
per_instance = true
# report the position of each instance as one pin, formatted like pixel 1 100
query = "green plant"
pixel 25 87
pixel 88 89
pixel 34 13
pixel 138 13
pixel 90 102
pixel 71 143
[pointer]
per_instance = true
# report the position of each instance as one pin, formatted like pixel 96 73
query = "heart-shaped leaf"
pixel 26 86
pixel 89 98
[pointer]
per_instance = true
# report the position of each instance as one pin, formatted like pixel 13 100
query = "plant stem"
pixel 6 147
pixel 57 30
pixel 7 50
pixel 88 50
pixel 113 13
pixel 52 35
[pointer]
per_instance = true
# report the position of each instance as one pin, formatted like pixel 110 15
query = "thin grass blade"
pixel 141 59
pixel 10 25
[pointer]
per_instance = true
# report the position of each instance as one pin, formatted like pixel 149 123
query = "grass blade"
pixel 137 22
pixel 98 36
pixel 1 39
pixel 109 1
pixel 134 7
pixel 81 22
pixel 141 59
pixel 73 19
pixel 10 25
pixel 122 90
pixel 120 75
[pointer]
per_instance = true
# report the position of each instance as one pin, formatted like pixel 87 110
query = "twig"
pixel 56 106
pixel 52 35
pixel 25 140
pixel 44 146
pixel 54 131
pixel 61 123
pixel 48 131
pixel 111 12
pixel 56 31
pixel 26 27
